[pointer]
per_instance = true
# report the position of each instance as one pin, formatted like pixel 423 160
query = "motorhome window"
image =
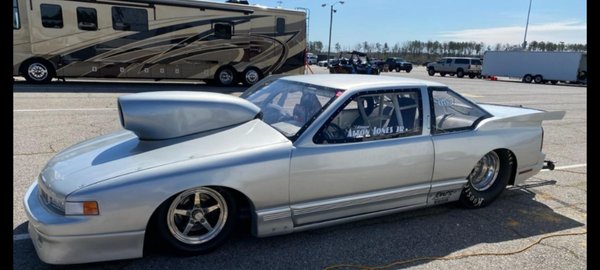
pixel 51 16
pixel 223 30
pixel 87 19
pixel 16 21
pixel 280 26
pixel 129 19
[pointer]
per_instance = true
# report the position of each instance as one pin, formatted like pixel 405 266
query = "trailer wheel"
pixel 538 79
pixel 38 71
pixel 527 78
pixel 250 76
pixel 225 76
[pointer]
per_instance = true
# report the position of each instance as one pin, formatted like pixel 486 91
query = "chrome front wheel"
pixel 197 220
pixel 197 215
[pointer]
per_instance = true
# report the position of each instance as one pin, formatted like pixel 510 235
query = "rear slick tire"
pixel 488 179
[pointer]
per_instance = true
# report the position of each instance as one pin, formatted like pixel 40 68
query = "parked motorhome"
pixel 225 43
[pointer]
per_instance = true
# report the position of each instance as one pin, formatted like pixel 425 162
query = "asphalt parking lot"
pixel 537 226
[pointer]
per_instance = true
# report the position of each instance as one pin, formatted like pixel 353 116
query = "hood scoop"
pixel 171 114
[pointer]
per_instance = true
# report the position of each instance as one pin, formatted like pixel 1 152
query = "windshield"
pixel 288 106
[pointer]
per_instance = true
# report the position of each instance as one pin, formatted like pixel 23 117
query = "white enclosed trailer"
pixel 539 67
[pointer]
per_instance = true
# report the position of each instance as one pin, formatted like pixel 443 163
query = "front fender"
pixel 126 203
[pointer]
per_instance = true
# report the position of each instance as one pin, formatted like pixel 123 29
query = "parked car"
pixel 460 66
pixel 354 62
pixel 397 64
pixel 311 59
pixel 322 63
pixel 292 152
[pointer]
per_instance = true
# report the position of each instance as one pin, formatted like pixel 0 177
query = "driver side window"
pixel 375 116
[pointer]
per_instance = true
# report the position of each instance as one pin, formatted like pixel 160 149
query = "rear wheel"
pixel 251 76
pixel 538 79
pixel 488 179
pixel 431 71
pixel 527 78
pixel 38 71
pixel 197 220
pixel 460 73
pixel 225 76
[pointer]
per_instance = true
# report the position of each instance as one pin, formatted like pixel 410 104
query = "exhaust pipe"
pixel 548 164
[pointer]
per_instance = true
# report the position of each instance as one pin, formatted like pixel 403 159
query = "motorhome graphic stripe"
pixel 91 51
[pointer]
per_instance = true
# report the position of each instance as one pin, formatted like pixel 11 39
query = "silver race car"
pixel 295 152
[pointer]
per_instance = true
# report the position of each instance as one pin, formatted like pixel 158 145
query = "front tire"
pixel 430 71
pixel 197 220
pixel 38 71
pixel 488 179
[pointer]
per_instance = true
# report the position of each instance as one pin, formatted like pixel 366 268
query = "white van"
pixel 311 59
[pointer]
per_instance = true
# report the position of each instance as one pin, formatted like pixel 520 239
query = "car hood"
pixel 122 152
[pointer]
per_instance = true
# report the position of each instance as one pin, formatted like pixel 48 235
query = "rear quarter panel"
pixel 457 153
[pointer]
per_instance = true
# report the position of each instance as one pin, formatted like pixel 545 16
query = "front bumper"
pixel 63 248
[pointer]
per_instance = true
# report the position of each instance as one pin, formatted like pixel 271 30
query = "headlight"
pixel 88 208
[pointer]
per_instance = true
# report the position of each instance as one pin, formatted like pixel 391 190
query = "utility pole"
pixel 526 26
pixel 330 27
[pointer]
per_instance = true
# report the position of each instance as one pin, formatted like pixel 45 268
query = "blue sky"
pixel 491 22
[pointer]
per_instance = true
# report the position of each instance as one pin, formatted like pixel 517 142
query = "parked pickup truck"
pixel 397 64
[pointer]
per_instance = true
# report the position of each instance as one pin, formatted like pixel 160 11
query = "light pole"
pixel 526 26
pixel 330 26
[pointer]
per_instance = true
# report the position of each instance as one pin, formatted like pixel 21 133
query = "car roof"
pixel 359 81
